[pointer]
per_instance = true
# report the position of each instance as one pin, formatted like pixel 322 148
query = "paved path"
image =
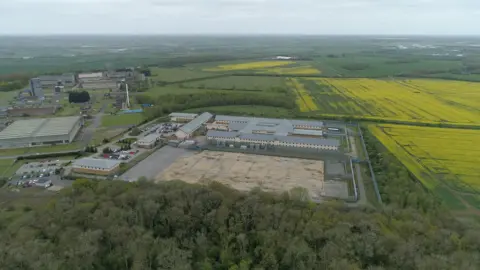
pixel 362 196
pixel 90 130
pixel 155 163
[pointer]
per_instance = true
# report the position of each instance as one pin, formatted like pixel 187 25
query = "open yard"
pixel 408 100
pixel 244 172
pixel 443 160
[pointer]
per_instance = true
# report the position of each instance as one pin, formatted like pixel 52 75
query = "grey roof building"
pixel 278 126
pixel 24 133
pixel 192 126
pixel 293 141
pixel 92 163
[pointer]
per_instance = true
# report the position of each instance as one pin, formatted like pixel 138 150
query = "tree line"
pixel 166 104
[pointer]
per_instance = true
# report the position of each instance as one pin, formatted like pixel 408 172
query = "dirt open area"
pixel 245 171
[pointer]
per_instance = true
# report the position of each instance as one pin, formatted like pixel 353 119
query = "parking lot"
pixel 40 174
pixel 156 163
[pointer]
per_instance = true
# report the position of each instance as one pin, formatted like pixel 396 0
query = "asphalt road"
pixel 90 130
pixel 155 163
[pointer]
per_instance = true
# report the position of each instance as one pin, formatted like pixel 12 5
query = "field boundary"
pixel 374 179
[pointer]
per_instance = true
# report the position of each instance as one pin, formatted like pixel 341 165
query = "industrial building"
pixel 103 167
pixel 148 141
pixel 182 117
pixel 66 79
pixel 280 127
pixel 256 140
pixel 36 88
pixel 36 132
pixel 188 129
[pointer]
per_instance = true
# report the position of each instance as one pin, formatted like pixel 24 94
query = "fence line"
pixel 375 184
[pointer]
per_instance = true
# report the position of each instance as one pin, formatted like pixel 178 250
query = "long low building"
pixel 294 124
pixel 36 132
pixel 182 117
pixel 188 129
pixel 95 166
pixel 148 141
pixel 280 127
pixel 272 140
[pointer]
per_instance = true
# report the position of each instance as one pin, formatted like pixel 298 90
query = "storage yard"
pixel 245 172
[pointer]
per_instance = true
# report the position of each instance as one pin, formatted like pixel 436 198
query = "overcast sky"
pixel 394 17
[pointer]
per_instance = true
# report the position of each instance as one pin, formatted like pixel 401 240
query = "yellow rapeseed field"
pixel 410 100
pixel 300 70
pixel 250 65
pixel 445 160
pixel 304 100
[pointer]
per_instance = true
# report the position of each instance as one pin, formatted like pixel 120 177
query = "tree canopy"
pixel 78 97
pixel 174 225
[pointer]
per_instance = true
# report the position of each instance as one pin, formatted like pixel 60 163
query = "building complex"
pixel 35 132
pixel 255 132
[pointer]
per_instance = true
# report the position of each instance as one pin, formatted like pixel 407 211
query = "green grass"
pixel 255 83
pixel 177 74
pixel 449 198
pixel 473 200
pixel 40 149
pixel 251 110
pixel 5 97
pixel 175 90
pixel 384 66
pixel 105 133
pixel 122 119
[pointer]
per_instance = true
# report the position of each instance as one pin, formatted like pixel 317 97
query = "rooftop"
pixel 149 138
pixel 39 127
pixel 196 123
pixel 183 114
pixel 97 163
pixel 265 137
pixel 269 121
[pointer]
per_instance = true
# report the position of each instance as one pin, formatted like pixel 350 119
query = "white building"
pixel 96 166
pixel 188 129
pixel 148 141
pixel 273 140
pixel 182 117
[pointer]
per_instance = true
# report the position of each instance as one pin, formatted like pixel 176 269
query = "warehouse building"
pixel 36 132
pixel 94 166
pixel 148 141
pixel 66 79
pixel 280 127
pixel 227 138
pixel 182 117
pixel 188 129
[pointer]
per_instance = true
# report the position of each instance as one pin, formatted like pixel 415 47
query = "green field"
pixel 177 74
pixel 252 110
pixel 249 83
pixel 122 120
pixel 40 149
